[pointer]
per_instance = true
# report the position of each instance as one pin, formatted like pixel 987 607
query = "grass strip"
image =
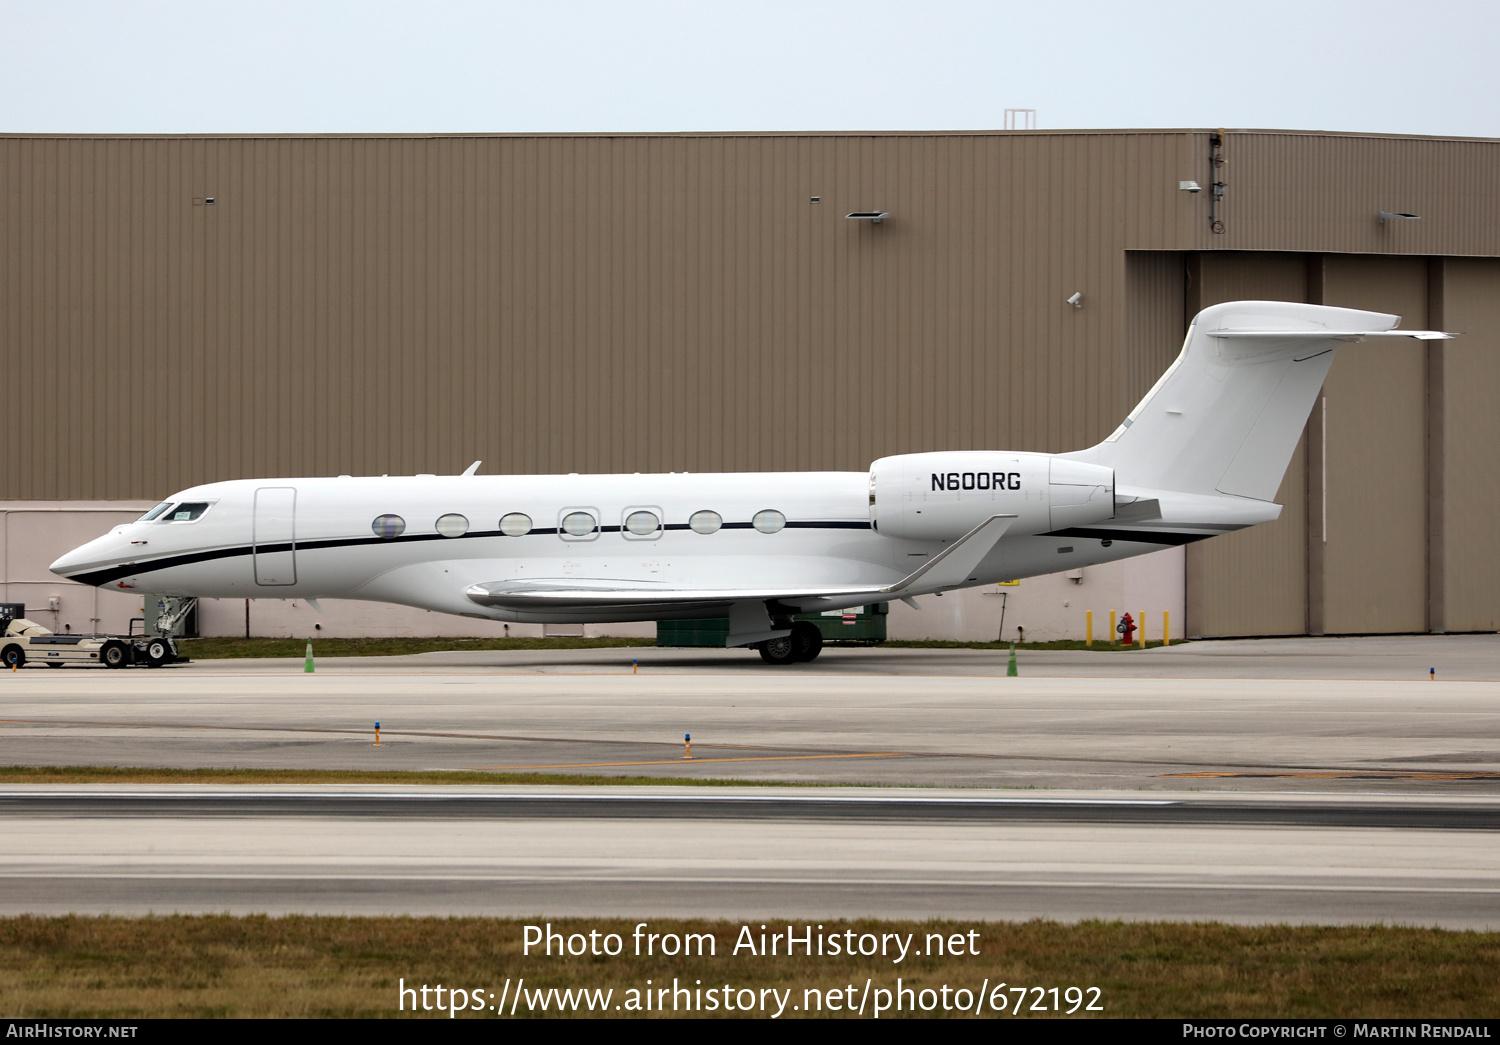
pixel 196 966
pixel 147 775
pixel 1060 644
pixel 224 648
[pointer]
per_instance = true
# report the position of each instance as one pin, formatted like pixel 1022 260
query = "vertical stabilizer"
pixel 1226 416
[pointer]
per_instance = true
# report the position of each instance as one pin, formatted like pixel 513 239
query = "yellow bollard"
pixel 377 734
pixel 1142 634
pixel 1089 628
pixel 635 666
pixel 687 744
pixel 1166 627
pixel 1113 628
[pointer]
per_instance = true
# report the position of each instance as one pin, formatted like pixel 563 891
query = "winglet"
pixel 472 469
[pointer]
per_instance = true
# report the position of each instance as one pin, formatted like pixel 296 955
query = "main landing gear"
pixel 803 644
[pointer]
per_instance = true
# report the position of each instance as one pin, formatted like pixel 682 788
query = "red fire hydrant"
pixel 1127 629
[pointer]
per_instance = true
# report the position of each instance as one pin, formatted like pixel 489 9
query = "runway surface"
pixel 750 853
pixel 931 719
pixel 1300 781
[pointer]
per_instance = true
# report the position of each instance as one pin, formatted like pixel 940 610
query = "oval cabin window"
pixel 515 525
pixel 389 526
pixel 452 525
pixel 578 524
pixel 768 520
pixel 642 524
pixel 705 521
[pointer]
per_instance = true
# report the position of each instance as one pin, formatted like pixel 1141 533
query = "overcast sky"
pixel 335 66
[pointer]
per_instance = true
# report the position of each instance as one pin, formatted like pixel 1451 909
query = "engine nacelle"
pixel 942 496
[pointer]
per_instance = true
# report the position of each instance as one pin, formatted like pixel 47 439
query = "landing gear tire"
pixel 779 651
pixel 114 655
pixel 808 639
pixel 157 653
pixel 13 657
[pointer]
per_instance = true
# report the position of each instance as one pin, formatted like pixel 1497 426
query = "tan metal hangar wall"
pixel 629 303
pixel 1392 492
pixel 1464 561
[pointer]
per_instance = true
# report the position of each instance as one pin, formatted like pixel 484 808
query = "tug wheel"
pixel 157 653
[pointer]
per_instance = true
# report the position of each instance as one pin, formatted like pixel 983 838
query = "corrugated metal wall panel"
pixel 1374 559
pixel 1472 430
pixel 605 303
pixel 1155 310
pixel 1312 191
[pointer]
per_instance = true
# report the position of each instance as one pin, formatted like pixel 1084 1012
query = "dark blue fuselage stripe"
pixel 1168 537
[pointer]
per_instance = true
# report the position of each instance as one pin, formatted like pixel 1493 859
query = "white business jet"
pixel 1203 454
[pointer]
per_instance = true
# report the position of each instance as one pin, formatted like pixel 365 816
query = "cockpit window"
pixel 187 511
pixel 154 512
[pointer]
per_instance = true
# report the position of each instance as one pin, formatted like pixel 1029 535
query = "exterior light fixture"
pixel 874 217
pixel 1189 186
pixel 1398 216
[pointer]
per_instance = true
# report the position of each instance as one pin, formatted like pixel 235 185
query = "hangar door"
pixel 1374 440
pixel 1349 553
pixel 275 536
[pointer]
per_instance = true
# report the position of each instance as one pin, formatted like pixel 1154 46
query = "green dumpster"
pixel 856 626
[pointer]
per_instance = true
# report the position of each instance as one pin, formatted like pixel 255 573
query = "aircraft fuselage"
pixel 424 540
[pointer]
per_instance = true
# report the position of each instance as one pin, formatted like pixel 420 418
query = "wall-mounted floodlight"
pixel 1398 216
pixel 1189 186
pixel 874 217
pixel 1077 299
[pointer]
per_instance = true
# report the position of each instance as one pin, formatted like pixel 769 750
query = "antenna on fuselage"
pixel 473 468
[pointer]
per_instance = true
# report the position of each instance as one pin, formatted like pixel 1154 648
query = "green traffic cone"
pixel 1010 669
pixel 308 664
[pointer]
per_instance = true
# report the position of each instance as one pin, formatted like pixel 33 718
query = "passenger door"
pixel 275 536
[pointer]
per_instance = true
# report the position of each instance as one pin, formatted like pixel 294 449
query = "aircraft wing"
pixel 953 567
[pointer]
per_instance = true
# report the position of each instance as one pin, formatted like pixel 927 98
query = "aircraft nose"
pixel 91 555
pixel 69 563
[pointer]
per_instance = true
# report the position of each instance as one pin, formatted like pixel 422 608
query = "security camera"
pixel 1189 186
pixel 1077 299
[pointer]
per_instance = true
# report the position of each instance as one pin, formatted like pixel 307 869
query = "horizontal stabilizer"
pixel 1334 335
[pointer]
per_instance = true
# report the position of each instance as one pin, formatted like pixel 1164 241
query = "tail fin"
pixel 1226 416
